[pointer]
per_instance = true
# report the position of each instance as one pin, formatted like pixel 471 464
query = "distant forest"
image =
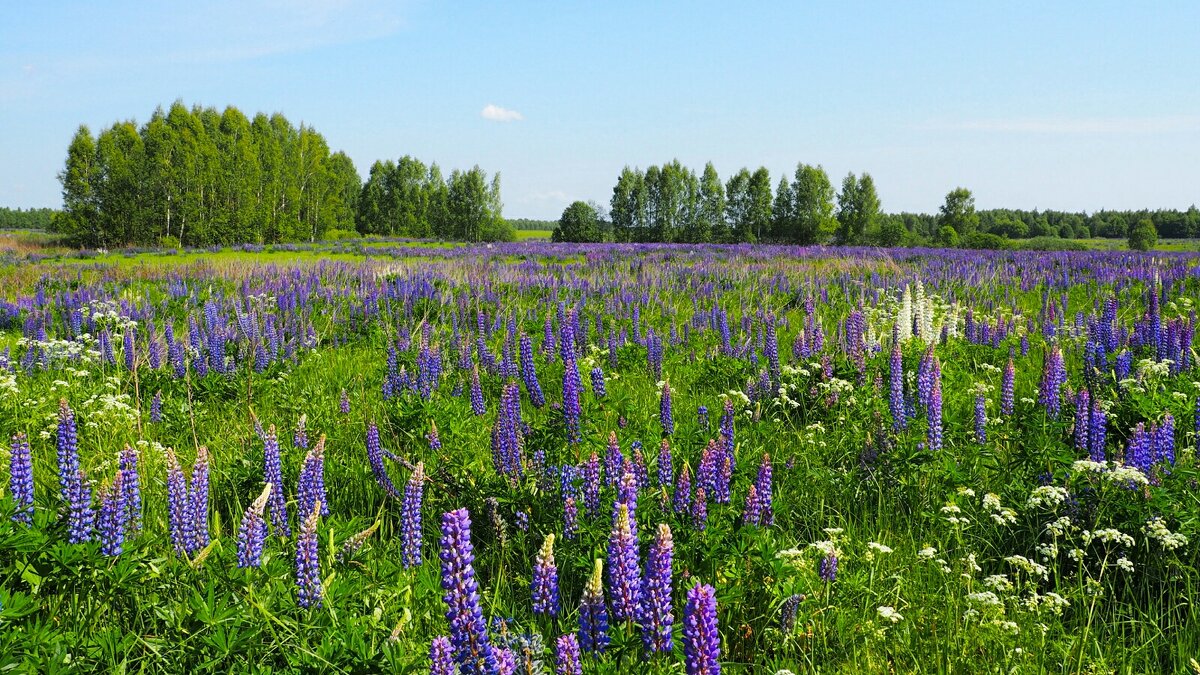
pixel 25 219
pixel 672 203
pixel 198 177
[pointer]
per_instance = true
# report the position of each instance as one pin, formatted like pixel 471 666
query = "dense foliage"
pixel 25 219
pixel 407 199
pixel 521 458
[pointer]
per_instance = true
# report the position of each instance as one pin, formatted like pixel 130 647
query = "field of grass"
pixel 533 235
pixel 872 461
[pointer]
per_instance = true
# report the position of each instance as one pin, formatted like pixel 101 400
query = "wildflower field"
pixel 526 458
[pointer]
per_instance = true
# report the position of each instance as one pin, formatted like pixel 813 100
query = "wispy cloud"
pixel 497 114
pixel 1074 125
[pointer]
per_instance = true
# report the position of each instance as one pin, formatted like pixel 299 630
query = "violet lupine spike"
pixel 1006 389
pixel 441 656
pixel 933 434
pixel 752 512
pixel 1053 377
pixel 156 407
pixel 701 637
pixel 529 374
pixel 702 417
pixel 1164 442
pixel 567 657
pixel 591 485
pixel 20 479
pixel 506 662
pixel 763 484
pixel 666 469
pixel 1083 410
pixel 198 502
pixel 545 580
pixel 179 516
pixel 300 435
pixel 81 517
pixel 627 489
pixel 624 576
pixel 131 488
pixel 435 441
pixel 67 443
pixel 683 491
pixel 273 474
pixel 980 419
pixel 308 566
pixel 828 567
pixel 468 631
pixel 252 533
pixel 375 457
pixel 657 618
pixel 593 613
pixel 614 461
pixel 572 391
pixel 310 488
pixel 598 387
pixel 570 519
pixel 344 403
pixel 478 406
pixel 410 530
pixel 1098 432
pixel 111 525
pixel 896 380
pixel 665 416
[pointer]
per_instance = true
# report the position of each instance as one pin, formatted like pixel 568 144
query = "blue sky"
pixel 1064 105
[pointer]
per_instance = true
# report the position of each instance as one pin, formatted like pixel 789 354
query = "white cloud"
pixel 1078 125
pixel 497 114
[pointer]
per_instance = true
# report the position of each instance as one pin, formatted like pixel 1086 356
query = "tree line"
pixel 672 203
pixel 25 219
pixel 199 177
pixel 408 199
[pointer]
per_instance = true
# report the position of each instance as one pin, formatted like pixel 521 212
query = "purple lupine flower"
pixel 1053 377
pixel 156 407
pixel 572 386
pixel 896 400
pixel 980 419
pixel 252 533
pixel 753 510
pixel 1097 432
pixel 727 431
pixel 591 485
pixel 131 488
pixel 721 494
pixel 933 435
pixel 522 518
pixel 1083 411
pixel 80 515
pixel 308 565
pixel 198 502
pixel 665 418
pixel 477 403
pixel 310 488
pixel 827 570
pixel 771 349
pixel 506 661
pixel 435 441
pixel 666 469
pixel 344 403
pixel 627 490
pixel 624 577
pixel 656 619
pixel 700 509
pixel 111 525
pixel 20 479
pixel 598 388
pixel 1164 442
pixel 570 518
pixel 683 490
pixel 67 443
pixel 441 656
pixel 788 611
pixel 764 487
pixel 529 374
pixel 593 614
pixel 300 435
pixel 567 656
pixel 701 638
pixel 1138 451
pixel 375 457
pixel 1006 389
pixel 545 580
pixel 702 417
pixel 273 474
pixel 410 531
pixel 468 631
pixel 614 461
pixel 179 517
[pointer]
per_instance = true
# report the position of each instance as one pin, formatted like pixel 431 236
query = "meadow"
pixel 530 458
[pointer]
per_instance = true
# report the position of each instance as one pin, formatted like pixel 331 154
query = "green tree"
pixel 947 236
pixel 1143 236
pixel 858 209
pixel 79 220
pixel 783 212
pixel 958 211
pixel 760 203
pixel 812 195
pixel 892 231
pixel 711 217
pixel 579 223
pixel 737 208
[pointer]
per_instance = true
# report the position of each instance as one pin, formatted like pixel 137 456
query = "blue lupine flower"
pixel 701 638
pixel 252 533
pixel 593 614
pixel 624 576
pixel 545 580
pixel 20 482
pixel 375 457
pixel 468 631
pixel 657 618
pixel 441 656
pixel 308 567
pixel 273 474
pixel 198 502
pixel 410 531
pixel 567 656
pixel 665 418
